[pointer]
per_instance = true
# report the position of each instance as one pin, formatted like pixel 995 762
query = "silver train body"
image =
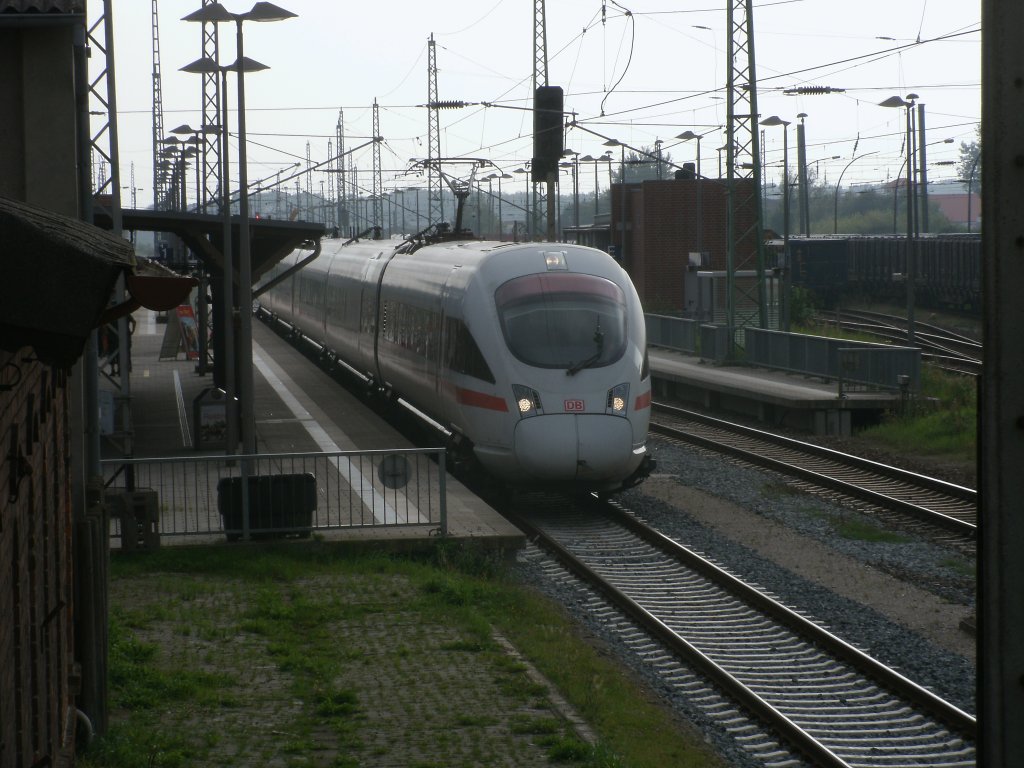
pixel 530 355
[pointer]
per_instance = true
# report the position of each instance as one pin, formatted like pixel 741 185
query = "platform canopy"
pixel 270 241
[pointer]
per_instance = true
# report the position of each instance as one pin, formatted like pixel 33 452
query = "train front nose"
pixel 589 447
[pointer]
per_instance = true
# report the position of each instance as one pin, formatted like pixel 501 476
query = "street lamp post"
pixel 835 206
pixel 690 136
pixel 801 170
pixel 527 225
pixel 197 138
pixel 908 103
pixel 216 13
pixel 622 194
pixel 204 66
pixel 786 277
pixel 970 189
pixel 574 165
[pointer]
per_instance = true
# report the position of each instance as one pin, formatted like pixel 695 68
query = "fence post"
pixel 245 499
pixel 442 490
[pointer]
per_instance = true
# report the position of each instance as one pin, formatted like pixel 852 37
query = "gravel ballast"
pixel 901 601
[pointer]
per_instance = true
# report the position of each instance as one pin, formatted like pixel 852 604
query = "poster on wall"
pixel 189 331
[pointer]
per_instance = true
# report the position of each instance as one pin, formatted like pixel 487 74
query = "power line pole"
pixel 160 177
pixel 331 202
pixel 343 214
pixel 540 80
pixel 745 232
pixel 211 117
pixel 378 187
pixel 435 182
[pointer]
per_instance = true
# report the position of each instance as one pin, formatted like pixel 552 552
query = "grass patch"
pixel 861 530
pixel 940 422
pixel 777 490
pixel 314 643
pixel 960 566
pixel 951 433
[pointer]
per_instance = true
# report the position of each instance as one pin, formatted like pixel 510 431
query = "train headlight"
pixel 527 400
pixel 555 260
pixel 618 396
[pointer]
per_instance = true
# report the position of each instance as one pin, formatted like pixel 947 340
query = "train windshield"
pixel 563 320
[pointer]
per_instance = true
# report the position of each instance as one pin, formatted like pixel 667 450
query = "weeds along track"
pixel 784 688
pixel 927 506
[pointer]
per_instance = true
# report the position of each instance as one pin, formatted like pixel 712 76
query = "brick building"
pixel 666 222
pixel 59 273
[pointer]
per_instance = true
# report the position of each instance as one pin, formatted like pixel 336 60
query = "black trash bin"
pixel 279 505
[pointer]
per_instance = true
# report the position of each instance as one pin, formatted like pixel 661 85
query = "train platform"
pixel 299 409
pixel 777 398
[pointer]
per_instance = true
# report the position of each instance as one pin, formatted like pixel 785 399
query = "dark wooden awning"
pixel 58 275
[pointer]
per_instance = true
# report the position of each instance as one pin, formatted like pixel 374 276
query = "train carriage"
pixel 531 357
pixel 947 268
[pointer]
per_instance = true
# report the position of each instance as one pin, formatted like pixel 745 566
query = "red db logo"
pixel 575 406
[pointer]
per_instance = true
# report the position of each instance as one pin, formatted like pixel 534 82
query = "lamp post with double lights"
pixel 786 277
pixel 197 137
pixel 895 102
pixel 622 195
pixel 207 65
pixel 605 158
pixel 499 177
pixel 215 13
pixel 178 150
pixel 574 165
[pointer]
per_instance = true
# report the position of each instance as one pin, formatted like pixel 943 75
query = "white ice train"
pixel 530 357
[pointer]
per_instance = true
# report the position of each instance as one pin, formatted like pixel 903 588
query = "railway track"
pixel 782 685
pixel 932 504
pixel 945 348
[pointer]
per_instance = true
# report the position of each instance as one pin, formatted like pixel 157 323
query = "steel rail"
pixel 953 716
pixel 939 519
pixel 793 733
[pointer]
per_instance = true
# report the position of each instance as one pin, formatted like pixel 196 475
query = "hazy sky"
pixel 638 71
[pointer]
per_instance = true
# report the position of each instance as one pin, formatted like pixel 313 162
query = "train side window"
pixel 462 354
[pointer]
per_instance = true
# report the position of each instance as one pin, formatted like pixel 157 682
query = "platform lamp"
pixel 894 102
pixel 786 277
pixel 197 138
pixel 174 150
pixel 574 164
pixel 215 13
pixel 622 196
pixel 691 136
pixel 207 65
pixel 524 171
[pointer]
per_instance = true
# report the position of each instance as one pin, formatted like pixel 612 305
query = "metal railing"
pixel 878 366
pixel 260 495
pixel 851 363
pixel 673 332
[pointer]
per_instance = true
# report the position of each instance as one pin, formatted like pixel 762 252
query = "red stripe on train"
pixel 480 399
pixel 643 401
